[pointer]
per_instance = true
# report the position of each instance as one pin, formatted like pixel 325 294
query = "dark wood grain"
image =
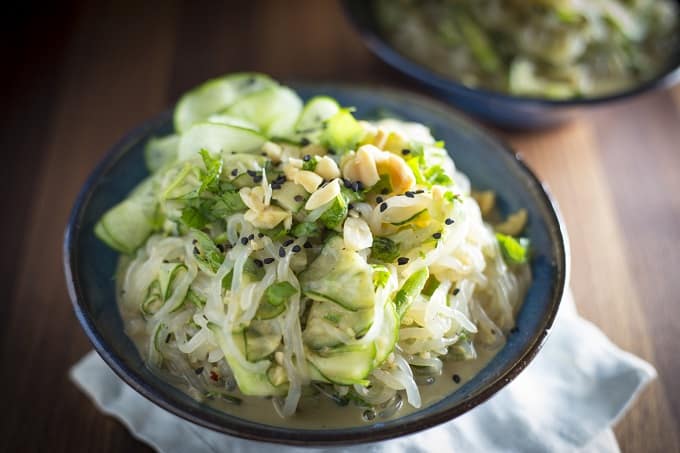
pixel 83 74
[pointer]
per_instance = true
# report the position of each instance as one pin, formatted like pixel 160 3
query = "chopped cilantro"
pixel 384 249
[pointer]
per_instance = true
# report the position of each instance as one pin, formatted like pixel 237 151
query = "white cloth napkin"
pixel 566 400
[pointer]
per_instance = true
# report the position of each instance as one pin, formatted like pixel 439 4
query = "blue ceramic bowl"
pixel 489 163
pixel 506 111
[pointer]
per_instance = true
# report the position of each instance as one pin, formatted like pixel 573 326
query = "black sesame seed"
pixel 258 263
pixel 419 191
pixel 298 198
pixel 378 199
pixel 360 186
pixel 296 248
pixel 331 151
pixel 263 153
pixel 244 240
pixel 383 206
pixel 305 141
pixel 409 194
pixel 402 260
pixel 167 339
pixel 257 178
pixel 287 242
pixel 220 247
pixel 234 172
pixel 514 329
pixel 251 236
pixel 385 191
pixel 166 261
pixel 276 186
pixel 306 157
pixel 493 331
pixel 437 235
pixel 456 379
pixel 350 206
pixel 405 151
pixel 456 291
pixel 260 235
pixel 282 252
pixel 449 221
pixel 251 173
pixel 307 245
pixel 194 242
pixel 198 370
pixel 268 260
pixel 355 186
pixel 196 251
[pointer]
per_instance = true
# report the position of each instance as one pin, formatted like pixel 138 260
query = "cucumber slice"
pixel 126 226
pixel 290 196
pixel 160 151
pixel 332 314
pixel 389 334
pixel 315 375
pixel 229 120
pixel 319 334
pixel 310 124
pixel 347 365
pixel 216 138
pixel 274 110
pixel 167 276
pixel 341 276
pixel 261 340
pixel 249 383
pixel 153 301
pixel 215 95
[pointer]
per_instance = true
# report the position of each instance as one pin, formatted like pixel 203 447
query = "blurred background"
pixel 78 75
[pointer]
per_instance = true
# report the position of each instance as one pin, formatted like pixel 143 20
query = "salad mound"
pixel 288 250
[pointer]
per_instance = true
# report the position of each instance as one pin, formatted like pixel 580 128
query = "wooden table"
pixel 82 75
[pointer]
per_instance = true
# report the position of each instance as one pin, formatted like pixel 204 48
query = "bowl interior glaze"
pixel 90 266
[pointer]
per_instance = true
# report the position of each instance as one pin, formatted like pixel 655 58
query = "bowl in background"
pixel 90 265
pixel 506 111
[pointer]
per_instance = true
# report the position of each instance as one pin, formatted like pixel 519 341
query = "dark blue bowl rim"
pixel 265 433
pixel 391 56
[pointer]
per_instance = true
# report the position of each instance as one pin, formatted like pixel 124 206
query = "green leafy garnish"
pixel 206 252
pixel 514 250
pixel 228 203
pixel 451 197
pixel 193 217
pixel 213 169
pixel 351 196
pixel 310 164
pixel 278 293
pixel 436 175
pixel 335 214
pixel 384 249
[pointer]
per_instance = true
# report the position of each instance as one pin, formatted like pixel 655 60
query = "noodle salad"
pixel 287 250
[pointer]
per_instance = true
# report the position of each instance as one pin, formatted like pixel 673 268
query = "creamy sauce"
pixel 314 411
pixel 319 411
